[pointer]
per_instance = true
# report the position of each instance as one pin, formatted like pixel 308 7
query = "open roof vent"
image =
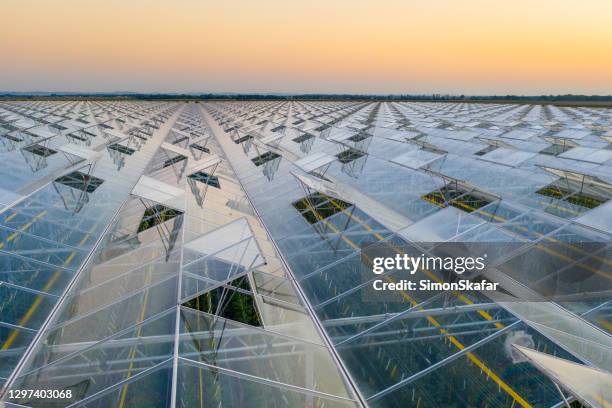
pixel 122 149
pixel 349 155
pixel 233 301
pixel 40 150
pixel 206 178
pixel 457 197
pixel 557 146
pixel 303 138
pixel 155 215
pixel 486 150
pixel 80 181
pixel 359 137
pixel 174 160
pixel 243 139
pixel 264 158
pixel 200 148
pixel 576 197
pixel 317 207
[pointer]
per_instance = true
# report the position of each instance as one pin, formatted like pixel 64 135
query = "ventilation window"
pixel 182 139
pixel 40 150
pixel 80 181
pixel 58 127
pixel 553 191
pixel 303 138
pixel 12 138
pixel 206 179
pixel 486 150
pixel 557 146
pixel 556 149
pixel 428 147
pixel 586 201
pixel 359 137
pixel 278 128
pixel 200 148
pixel 349 155
pixel 174 160
pixel 579 198
pixel 317 207
pixel 122 149
pixel 9 127
pixel 442 197
pixel 233 301
pixel 88 133
pixel 77 137
pixel 243 139
pixel 156 215
pixel 266 157
pixel 458 198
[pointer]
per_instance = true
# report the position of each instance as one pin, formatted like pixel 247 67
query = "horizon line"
pixel 313 93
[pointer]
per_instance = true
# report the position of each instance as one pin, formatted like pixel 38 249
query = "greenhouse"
pixel 182 254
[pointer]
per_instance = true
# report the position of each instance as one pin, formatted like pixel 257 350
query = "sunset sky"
pixel 355 46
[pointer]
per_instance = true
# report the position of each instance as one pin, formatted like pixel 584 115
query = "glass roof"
pixel 130 283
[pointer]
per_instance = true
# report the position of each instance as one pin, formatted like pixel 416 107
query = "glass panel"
pixel 104 364
pixel 117 316
pixel 249 350
pixel 14 342
pixel 152 390
pixel 202 386
pixel 492 375
pixel 24 308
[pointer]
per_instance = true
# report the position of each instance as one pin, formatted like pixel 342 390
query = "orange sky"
pixel 384 46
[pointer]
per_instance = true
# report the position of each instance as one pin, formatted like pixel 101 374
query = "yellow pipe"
pixel 23 228
pixel 132 354
pixel 39 298
pixel 460 296
pixel 470 355
pixel 434 322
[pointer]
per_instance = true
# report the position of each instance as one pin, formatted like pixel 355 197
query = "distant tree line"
pixel 316 96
